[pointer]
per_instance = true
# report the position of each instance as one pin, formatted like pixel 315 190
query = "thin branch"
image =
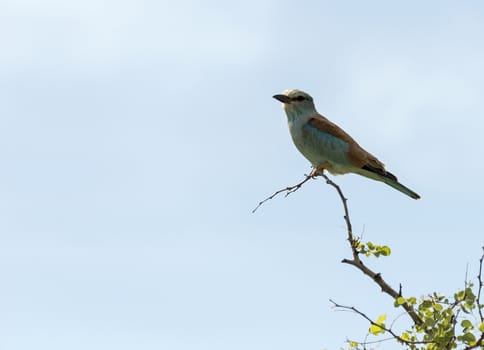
pixel 392 333
pixel 453 321
pixel 356 261
pixel 364 343
pixel 385 287
pixel 479 342
pixel 345 207
pixel 288 190
pixel 481 284
pixel 397 318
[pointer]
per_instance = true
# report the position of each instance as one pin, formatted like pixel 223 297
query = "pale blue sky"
pixel 137 136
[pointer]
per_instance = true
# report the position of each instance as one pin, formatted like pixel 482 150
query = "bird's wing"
pixel 355 155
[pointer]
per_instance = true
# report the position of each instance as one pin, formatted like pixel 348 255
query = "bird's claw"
pixel 319 170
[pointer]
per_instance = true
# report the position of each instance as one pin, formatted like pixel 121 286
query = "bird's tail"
pixel 390 180
pixel 398 186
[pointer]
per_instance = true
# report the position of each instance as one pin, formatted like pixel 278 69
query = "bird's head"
pixel 296 103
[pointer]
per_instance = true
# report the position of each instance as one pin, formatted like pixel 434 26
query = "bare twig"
pixel 288 190
pixel 364 343
pixel 345 207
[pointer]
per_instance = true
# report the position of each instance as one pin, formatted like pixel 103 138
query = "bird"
pixel 327 146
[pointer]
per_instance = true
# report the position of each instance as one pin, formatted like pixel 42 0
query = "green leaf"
pixel 385 250
pixel 425 305
pixel 353 344
pixel 428 323
pixel 459 295
pixel 465 307
pixel 470 297
pixel 467 338
pixel 438 307
pixel 400 300
pixel 377 328
pixel 466 324
pixel 481 327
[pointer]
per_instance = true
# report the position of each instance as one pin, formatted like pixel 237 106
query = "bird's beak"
pixel 282 98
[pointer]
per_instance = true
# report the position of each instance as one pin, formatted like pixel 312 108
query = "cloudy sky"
pixel 137 136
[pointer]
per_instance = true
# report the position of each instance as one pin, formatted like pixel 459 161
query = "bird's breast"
pixel 320 147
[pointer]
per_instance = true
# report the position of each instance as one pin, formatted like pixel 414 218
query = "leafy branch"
pixel 438 322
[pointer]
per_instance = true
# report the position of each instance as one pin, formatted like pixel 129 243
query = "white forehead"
pixel 295 93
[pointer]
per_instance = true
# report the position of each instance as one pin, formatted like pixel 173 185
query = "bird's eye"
pixel 300 98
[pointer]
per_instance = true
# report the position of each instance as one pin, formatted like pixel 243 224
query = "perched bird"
pixel 327 146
